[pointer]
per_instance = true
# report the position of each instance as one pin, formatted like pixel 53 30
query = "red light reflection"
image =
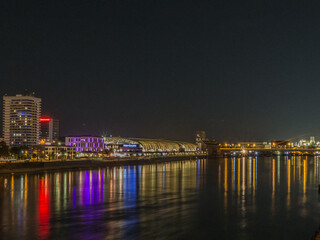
pixel 44 211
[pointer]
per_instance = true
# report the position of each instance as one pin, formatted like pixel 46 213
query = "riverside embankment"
pixel 39 166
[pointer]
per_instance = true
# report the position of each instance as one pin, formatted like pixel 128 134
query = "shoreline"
pixel 35 167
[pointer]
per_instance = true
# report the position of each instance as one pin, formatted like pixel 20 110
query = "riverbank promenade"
pixel 21 166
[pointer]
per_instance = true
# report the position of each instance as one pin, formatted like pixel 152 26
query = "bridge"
pixel 269 151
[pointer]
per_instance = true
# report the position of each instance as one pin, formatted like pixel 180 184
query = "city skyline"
pixel 49 127
pixel 240 71
pixel 159 119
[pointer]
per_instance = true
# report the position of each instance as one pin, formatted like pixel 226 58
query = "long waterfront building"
pixel 148 147
pixel 85 143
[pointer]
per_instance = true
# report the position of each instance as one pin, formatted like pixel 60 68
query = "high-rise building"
pixel 21 115
pixel 49 129
pixel 55 129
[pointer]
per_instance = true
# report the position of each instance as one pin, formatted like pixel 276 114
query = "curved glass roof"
pixel 154 145
pixel 118 140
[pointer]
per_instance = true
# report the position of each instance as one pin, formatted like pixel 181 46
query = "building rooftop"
pixel 153 144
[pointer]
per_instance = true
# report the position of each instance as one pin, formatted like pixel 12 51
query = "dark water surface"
pixel 234 198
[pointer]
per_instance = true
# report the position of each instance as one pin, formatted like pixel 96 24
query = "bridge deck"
pixel 272 149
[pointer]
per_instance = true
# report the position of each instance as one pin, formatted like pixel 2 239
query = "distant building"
pixel 148 147
pixel 204 145
pixel 86 143
pixel 49 130
pixel 312 140
pixel 211 147
pixel 44 152
pixel 200 136
pixel 265 145
pixel 281 144
pixel 21 124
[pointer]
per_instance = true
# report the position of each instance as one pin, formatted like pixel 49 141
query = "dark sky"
pixel 240 70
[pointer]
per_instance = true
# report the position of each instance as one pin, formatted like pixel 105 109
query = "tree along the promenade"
pixel 63 154
pixel 4 149
pixel 19 152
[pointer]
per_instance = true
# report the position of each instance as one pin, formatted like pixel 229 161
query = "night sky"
pixel 240 70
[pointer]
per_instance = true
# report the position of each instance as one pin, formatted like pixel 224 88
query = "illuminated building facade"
pixel 21 124
pixel 148 147
pixel 86 143
pixel 49 129
pixel 53 152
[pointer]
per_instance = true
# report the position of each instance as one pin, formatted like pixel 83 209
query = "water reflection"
pixel 296 192
pixel 107 202
pixel 223 197
pixel 244 174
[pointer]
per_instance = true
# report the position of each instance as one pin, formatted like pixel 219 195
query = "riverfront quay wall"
pixel 26 167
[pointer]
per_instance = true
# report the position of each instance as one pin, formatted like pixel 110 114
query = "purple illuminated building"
pixel 86 143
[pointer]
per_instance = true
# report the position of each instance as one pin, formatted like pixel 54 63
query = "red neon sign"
pixel 45 119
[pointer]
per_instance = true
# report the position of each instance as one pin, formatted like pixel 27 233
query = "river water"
pixel 219 198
